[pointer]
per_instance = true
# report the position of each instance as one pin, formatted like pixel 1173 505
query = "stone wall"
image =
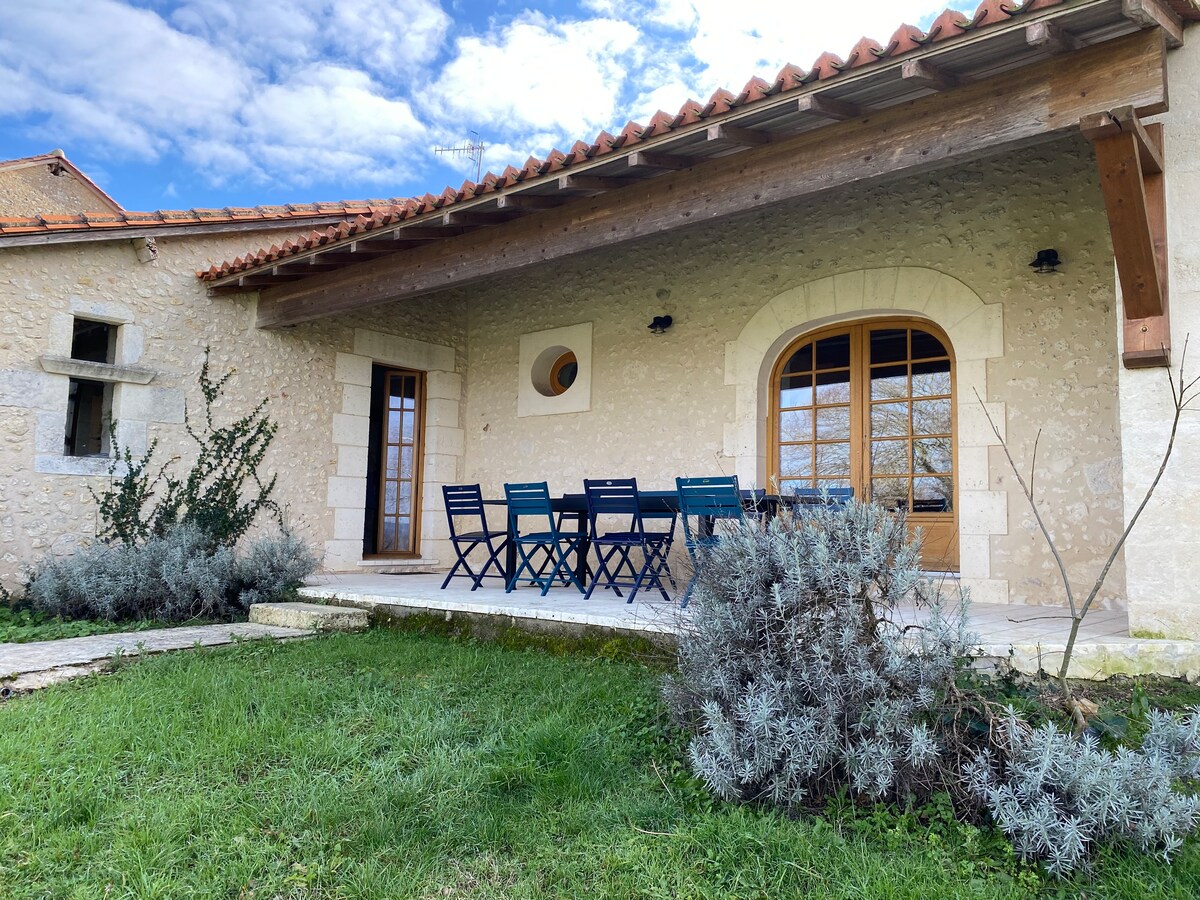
pixel 666 405
pixel 1163 552
pixel 34 189
pixel 166 320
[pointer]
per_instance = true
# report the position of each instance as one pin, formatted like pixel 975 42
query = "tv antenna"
pixel 473 150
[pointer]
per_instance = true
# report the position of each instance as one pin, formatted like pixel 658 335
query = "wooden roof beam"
pixel 739 137
pixel 828 107
pixel 1154 14
pixel 1046 35
pixel 923 73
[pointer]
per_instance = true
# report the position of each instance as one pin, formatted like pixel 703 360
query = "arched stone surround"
pixel 976 331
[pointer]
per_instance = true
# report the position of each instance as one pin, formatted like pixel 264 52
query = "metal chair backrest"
pixel 464 500
pixel 529 499
pixel 824 496
pixel 613 497
pixel 718 498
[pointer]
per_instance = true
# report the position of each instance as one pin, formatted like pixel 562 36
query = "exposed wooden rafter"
pixel 741 137
pixel 925 74
pixel 641 159
pixel 1129 157
pixel 591 184
pixel 828 107
pixel 1155 14
pixel 1051 37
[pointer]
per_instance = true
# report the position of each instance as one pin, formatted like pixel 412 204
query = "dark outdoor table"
pixel 652 502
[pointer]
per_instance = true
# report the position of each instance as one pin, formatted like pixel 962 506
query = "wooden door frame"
pixel 859 331
pixel 418 467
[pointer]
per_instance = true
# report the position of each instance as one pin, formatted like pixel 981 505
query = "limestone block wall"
pixel 1163 553
pixel 166 320
pixel 34 189
pixel 686 403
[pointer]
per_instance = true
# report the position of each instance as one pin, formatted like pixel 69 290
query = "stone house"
pixel 845 254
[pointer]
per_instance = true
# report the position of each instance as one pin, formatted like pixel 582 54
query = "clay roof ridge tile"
pixel 789 77
pixel 827 65
pixel 756 89
pixel 555 160
pixel 863 53
pixel 720 101
pixel 661 122
pixel 630 134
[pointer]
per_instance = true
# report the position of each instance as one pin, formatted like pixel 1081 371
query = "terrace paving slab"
pixel 25 666
pixel 1024 638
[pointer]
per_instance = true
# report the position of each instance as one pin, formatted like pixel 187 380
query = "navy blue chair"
pixel 531 500
pixel 465 501
pixel 707 500
pixel 618 498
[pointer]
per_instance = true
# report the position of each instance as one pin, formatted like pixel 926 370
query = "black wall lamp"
pixel 1046 262
pixel 660 324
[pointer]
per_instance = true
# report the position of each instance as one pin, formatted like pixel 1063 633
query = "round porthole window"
pixel 564 372
pixel 554 371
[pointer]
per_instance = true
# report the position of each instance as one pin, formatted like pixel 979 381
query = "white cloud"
pixel 117 75
pixel 398 36
pixel 537 73
pixel 293 92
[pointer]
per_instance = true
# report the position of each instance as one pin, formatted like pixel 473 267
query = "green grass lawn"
pixel 20 626
pixel 400 765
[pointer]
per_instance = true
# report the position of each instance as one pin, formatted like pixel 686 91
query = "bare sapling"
pixel 1184 395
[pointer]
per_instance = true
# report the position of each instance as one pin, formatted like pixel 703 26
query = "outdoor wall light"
pixel 1046 262
pixel 660 324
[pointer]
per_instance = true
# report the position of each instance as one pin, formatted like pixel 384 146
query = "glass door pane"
pixel 400 495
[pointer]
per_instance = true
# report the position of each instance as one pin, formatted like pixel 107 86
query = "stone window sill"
pixel 94 371
pixel 52 464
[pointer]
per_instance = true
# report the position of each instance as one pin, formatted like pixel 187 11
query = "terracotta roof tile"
pixel 867 52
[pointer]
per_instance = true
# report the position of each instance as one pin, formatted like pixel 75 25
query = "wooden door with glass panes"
pixel 871 406
pixel 400 463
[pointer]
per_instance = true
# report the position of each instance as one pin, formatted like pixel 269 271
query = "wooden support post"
pixel 1148 340
pixel 1130 159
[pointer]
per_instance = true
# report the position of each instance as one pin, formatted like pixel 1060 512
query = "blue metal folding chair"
pixel 531 500
pixel 708 500
pixel 618 498
pixel 465 501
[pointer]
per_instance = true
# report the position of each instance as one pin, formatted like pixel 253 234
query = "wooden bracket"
pixel 1129 156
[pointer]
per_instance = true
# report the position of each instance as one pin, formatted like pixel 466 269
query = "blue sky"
pixel 196 103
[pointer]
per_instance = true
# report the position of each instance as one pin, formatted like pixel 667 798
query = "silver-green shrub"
pixel 1058 796
pixel 183 574
pixel 799 676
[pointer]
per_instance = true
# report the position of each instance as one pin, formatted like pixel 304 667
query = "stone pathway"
pixel 28 666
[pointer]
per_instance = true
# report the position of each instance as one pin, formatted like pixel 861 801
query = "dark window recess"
pixel 94 342
pixel 89 413
pixel 374 459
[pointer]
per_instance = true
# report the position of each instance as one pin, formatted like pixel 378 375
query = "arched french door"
pixel 871 406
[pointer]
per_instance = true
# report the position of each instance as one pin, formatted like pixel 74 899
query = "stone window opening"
pixel 90 403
